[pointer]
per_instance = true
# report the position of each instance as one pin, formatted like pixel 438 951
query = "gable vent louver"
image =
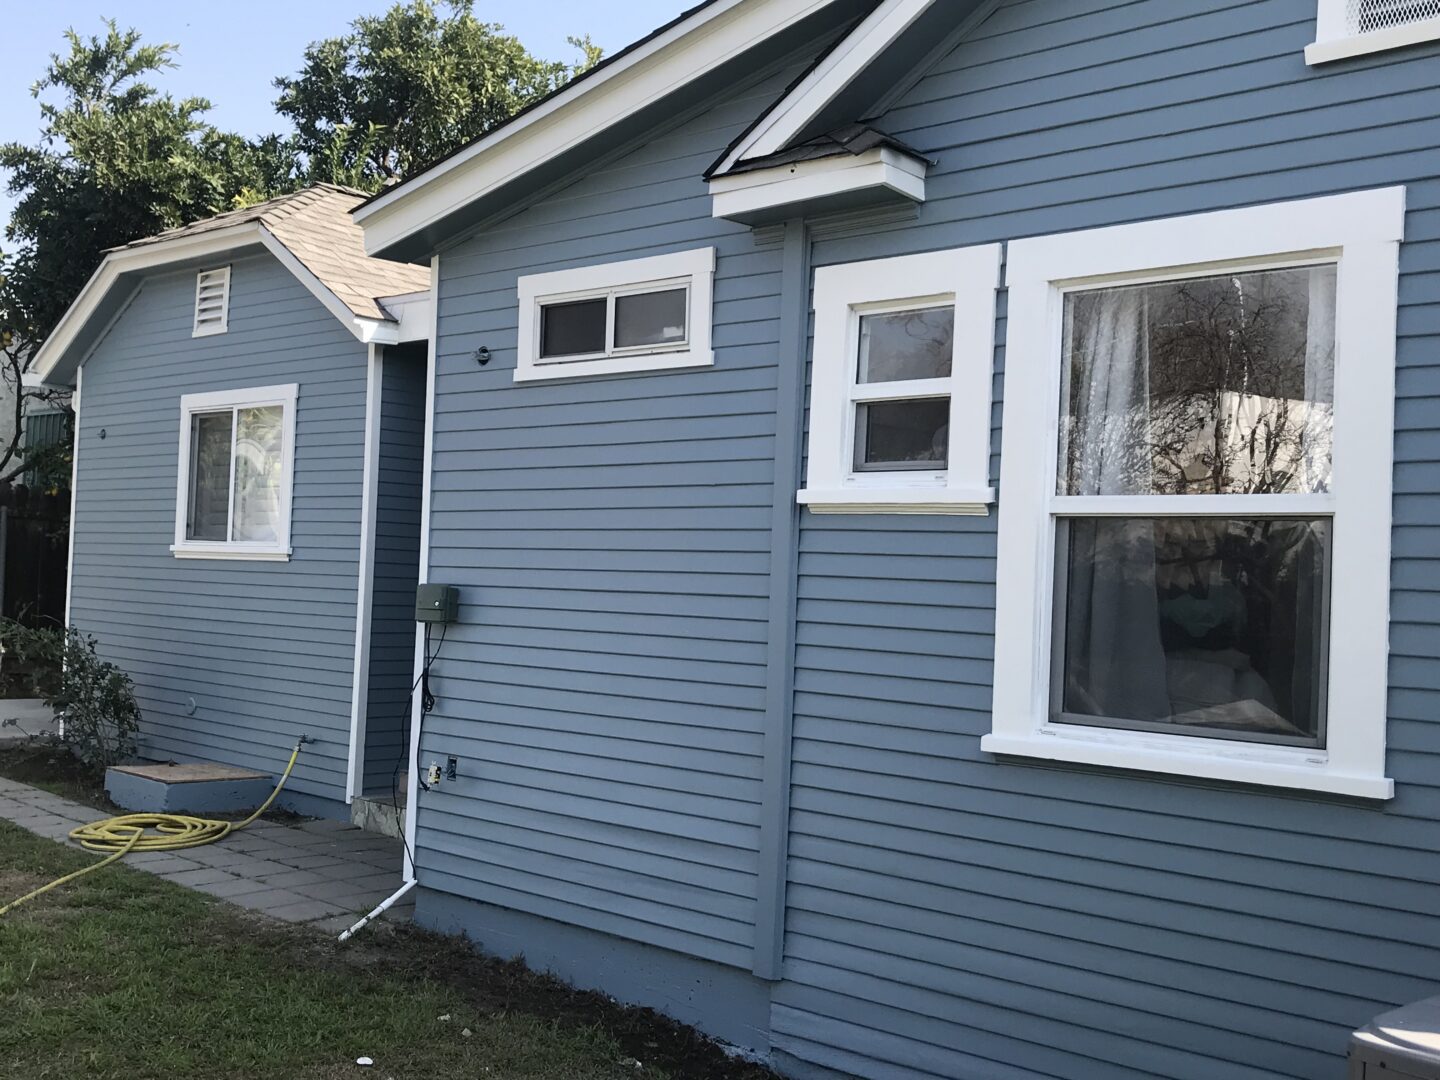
pixel 212 302
pixel 1367 16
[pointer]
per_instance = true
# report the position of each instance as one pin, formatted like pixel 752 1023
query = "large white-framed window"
pixel 236 474
pixel 1196 473
pixel 1345 28
pixel 900 384
pixel 639 315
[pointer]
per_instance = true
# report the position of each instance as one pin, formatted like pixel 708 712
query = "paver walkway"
pixel 322 872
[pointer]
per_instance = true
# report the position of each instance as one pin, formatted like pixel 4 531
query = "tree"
pixel 116 161
pixel 409 86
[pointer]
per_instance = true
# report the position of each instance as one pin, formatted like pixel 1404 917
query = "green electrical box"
pixel 437 603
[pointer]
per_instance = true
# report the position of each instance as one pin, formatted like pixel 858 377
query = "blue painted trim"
pixel 724 1003
pixel 784 575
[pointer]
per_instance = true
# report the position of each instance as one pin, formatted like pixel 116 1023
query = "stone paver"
pixel 323 873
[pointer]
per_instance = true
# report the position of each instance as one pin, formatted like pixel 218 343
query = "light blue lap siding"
pixel 232 661
pixel 605 688
pixel 397 566
pixel 954 916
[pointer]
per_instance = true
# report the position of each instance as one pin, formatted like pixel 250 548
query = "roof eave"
pixel 688 49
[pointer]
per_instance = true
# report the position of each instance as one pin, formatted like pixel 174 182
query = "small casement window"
pixel 212 302
pixel 1194 541
pixel 1354 27
pixel 235 474
pixel 640 315
pixel 900 390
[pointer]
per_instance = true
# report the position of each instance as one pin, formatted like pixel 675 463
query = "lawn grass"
pixel 124 975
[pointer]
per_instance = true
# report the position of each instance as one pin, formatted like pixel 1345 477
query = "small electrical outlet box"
pixel 437 603
pixel 452 767
pixel 432 774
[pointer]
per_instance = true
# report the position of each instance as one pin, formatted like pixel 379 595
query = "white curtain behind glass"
pixel 259 438
pixel 1218 385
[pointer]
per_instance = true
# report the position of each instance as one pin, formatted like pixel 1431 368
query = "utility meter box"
pixel 437 603
pixel 1403 1044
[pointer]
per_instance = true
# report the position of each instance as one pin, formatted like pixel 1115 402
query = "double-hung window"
pixel 900 385
pixel 639 315
pixel 237 450
pixel 1196 475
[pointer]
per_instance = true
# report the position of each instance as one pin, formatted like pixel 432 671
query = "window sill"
pixel 639 363
pixel 1396 37
pixel 919 500
pixel 233 554
pixel 1296 768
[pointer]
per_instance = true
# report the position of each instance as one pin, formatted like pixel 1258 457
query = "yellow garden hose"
pixel 119 836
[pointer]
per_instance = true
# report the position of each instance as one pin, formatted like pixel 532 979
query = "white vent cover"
pixel 1367 16
pixel 212 302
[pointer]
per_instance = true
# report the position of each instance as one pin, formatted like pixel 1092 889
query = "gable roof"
pixel 315 226
pixel 310 232
pixel 846 77
pixel 697 51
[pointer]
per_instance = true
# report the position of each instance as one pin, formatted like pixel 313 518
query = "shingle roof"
pixel 315 226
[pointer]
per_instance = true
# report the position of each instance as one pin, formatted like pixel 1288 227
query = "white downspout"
pixel 412 784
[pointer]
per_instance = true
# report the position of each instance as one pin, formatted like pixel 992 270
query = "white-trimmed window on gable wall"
pixel 1345 28
pixel 212 302
pixel 1194 545
pixel 237 455
pixel 639 315
pixel 900 385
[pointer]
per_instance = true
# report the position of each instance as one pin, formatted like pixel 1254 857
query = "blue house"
pixel 945 508
pixel 225 566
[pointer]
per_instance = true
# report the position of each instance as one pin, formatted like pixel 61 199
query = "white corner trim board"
pixel 879 169
pixel 1336 39
pixel 692 271
pixel 1360 233
pixel 278 550
pixel 965 279
pixel 365 586
pixel 787 118
pixel 691 47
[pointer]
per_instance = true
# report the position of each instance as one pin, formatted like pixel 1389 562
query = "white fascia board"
pixel 647 75
pixel 380 331
pixel 788 117
pixel 411 312
pixel 1395 37
pixel 806 181
pixel 129 261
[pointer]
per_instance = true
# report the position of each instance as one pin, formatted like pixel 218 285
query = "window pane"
pixel 1219 385
pixel 572 329
pixel 894 435
pixel 907 345
pixel 652 318
pixel 1196 626
pixel 209 476
pixel 258 464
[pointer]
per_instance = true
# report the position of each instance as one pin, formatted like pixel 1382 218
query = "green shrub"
pixel 95 698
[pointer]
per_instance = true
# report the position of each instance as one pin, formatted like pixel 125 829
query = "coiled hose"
pixel 119 836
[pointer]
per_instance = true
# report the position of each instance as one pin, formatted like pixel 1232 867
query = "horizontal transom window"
pixel 639 315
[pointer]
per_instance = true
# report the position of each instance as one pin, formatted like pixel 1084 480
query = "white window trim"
pixel 223 326
pixel 694 270
pixel 250 397
pixel 968 278
pixel 1334 40
pixel 1361 231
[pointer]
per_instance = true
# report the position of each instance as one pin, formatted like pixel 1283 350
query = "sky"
pixel 230 53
